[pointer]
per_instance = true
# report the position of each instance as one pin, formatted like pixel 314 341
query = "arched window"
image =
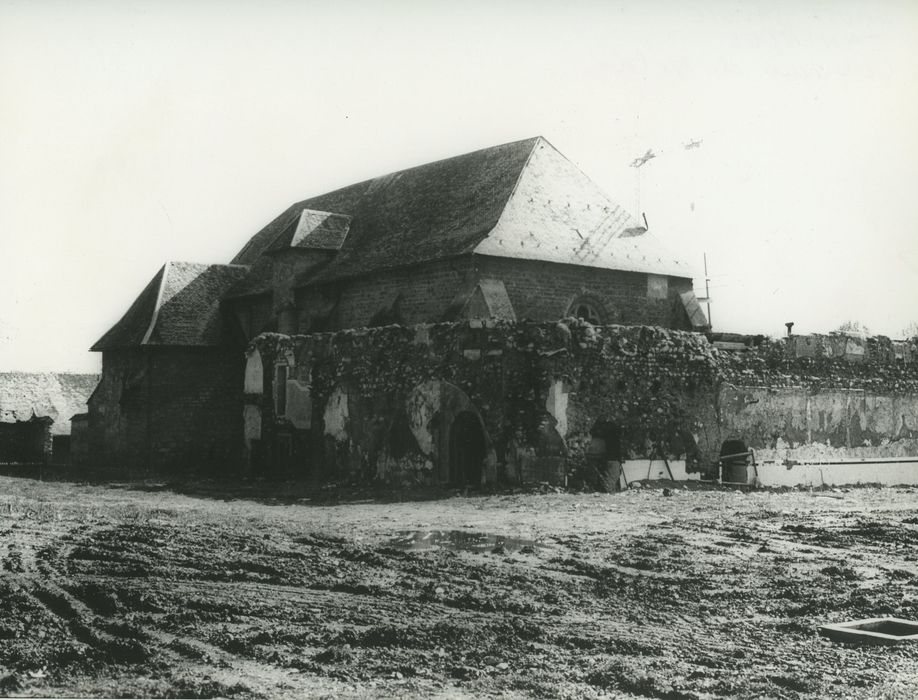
pixel 587 310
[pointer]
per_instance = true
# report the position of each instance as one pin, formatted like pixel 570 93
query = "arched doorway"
pixel 467 450
pixel 605 454
pixel 734 460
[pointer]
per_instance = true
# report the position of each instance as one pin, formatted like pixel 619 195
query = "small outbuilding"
pixel 35 413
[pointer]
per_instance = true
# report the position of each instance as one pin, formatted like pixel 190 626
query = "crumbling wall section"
pixel 382 400
pixel 829 397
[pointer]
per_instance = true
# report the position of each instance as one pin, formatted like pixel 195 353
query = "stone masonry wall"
pixel 380 403
pixel 426 293
pixel 544 291
pixel 167 410
pixel 823 398
pixel 540 291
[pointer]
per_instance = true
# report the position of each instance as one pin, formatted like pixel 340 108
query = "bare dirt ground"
pixel 118 591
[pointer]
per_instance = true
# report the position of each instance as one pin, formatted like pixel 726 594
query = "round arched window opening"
pixel 586 311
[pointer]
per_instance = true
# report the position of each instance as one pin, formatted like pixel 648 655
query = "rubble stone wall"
pixel 830 399
pixel 382 401
pixel 379 404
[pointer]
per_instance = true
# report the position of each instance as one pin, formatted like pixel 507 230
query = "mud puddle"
pixel 413 540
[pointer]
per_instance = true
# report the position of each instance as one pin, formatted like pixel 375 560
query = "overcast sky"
pixel 135 133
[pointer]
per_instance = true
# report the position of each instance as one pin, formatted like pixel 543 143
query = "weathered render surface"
pixel 817 406
pixel 479 402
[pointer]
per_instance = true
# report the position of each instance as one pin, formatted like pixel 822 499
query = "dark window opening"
pixel 280 390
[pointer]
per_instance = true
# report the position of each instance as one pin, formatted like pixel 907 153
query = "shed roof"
pixel 180 306
pixel 57 396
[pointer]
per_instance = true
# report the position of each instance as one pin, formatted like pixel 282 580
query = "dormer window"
pixel 320 229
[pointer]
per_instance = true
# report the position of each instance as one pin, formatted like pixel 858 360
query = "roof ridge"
pixel 534 139
pixel 159 302
pixel 203 264
pixel 519 177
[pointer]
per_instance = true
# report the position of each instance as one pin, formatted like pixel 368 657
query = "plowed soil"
pixel 121 591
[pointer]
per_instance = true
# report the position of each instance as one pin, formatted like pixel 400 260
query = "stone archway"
pixel 433 407
pixel 467 450
pixel 604 454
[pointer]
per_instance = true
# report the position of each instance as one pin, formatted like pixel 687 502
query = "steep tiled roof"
pixel 180 306
pixel 557 214
pixel 259 280
pixel 132 327
pixel 429 212
pixel 520 200
pixel 56 396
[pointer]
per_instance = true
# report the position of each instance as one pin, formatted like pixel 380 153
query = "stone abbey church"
pixel 492 317
pixel 513 233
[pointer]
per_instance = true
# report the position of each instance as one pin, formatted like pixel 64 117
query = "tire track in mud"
pixel 805 539
pixel 20 555
pixel 26 572
pixel 690 608
pixel 199 658
pixel 35 579
pixel 232 671
pixel 38 583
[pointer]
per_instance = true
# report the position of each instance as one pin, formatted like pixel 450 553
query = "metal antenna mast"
pixel 707 291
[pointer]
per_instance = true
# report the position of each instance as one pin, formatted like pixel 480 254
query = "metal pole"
pixel 707 291
pixel 637 195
